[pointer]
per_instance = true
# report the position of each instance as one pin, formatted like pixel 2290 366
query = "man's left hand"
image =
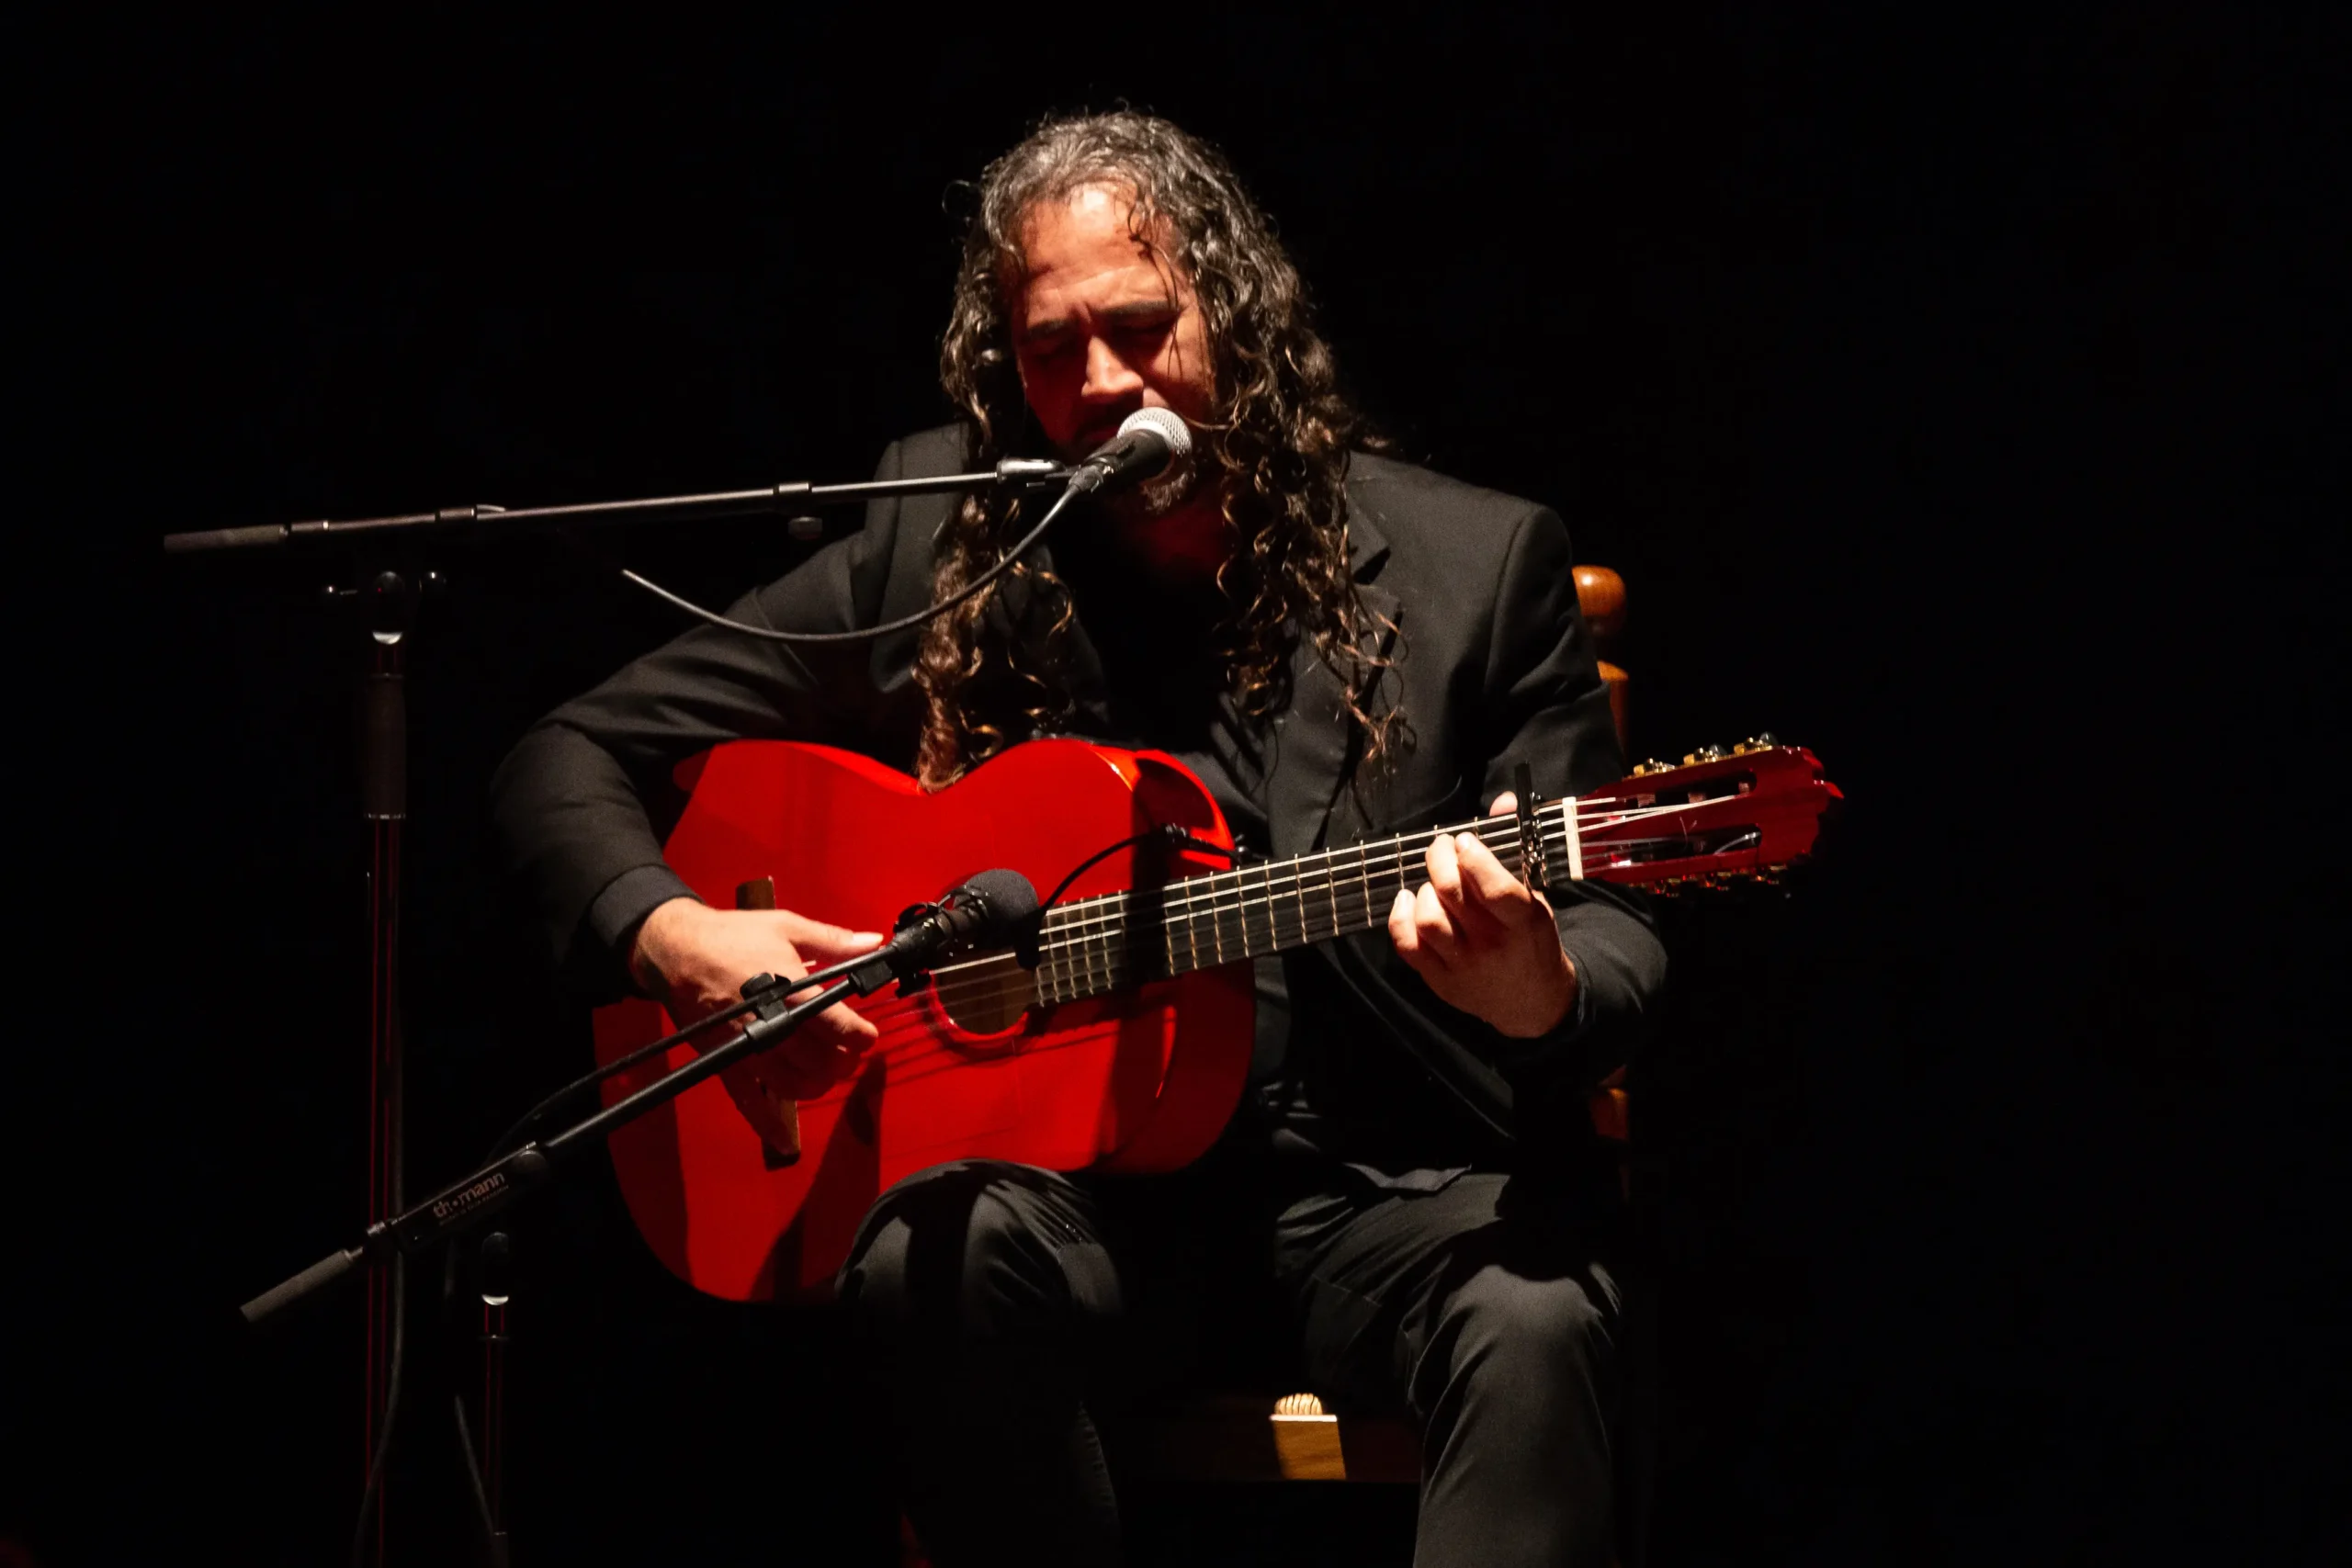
pixel 1483 942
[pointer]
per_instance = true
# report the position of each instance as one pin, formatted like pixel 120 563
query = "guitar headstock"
pixel 1739 814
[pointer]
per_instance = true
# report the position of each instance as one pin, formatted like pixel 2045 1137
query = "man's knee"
pixel 961 1251
pixel 1510 1326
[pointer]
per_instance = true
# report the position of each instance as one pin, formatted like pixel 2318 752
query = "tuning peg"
pixel 1652 766
pixel 1762 740
pixel 1703 754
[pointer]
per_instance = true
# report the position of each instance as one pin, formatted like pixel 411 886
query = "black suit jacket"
pixel 1492 664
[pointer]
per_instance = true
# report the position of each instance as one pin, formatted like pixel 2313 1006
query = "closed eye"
pixel 1140 321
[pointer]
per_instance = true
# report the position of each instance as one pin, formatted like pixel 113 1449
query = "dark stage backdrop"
pixel 1957 397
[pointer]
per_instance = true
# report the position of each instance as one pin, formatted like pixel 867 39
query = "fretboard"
pixel 1091 946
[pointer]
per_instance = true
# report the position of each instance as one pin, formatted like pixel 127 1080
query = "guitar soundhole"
pixel 986 995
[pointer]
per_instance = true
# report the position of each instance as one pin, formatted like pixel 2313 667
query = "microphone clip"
pixel 914 976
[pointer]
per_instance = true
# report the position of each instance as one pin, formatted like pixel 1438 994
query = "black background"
pixel 1962 396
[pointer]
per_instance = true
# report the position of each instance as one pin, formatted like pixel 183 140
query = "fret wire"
pixel 1263 910
pixel 1241 909
pixel 1294 894
pixel 1331 887
pixel 1237 912
pixel 1274 904
pixel 1093 938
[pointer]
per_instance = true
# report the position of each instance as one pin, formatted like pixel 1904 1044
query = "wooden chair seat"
pixel 1247 1438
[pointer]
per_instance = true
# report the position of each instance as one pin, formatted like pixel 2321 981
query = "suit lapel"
pixel 1316 742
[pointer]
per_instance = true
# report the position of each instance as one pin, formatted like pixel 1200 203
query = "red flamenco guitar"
pixel 1126 1047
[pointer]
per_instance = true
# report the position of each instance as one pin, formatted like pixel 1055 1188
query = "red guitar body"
pixel 1142 1080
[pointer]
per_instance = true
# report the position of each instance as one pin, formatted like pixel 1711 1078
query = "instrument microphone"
pixel 1149 442
pixel 992 909
pixel 995 909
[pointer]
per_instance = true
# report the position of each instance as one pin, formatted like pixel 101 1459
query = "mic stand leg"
pixel 497 1269
pixel 494 1426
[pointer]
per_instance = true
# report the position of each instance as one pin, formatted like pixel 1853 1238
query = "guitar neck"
pixel 1091 946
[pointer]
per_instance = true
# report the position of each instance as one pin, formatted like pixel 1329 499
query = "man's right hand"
pixel 695 959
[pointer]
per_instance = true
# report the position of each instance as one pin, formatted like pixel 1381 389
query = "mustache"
pixel 1088 438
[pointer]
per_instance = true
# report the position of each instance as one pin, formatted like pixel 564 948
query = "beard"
pixel 1156 497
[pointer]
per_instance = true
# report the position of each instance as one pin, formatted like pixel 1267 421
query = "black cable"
pixel 622 1064
pixel 369 1497
pixel 473 1474
pixel 1169 833
pixel 1028 541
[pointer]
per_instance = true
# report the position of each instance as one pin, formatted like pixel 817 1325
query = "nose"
pixel 1108 377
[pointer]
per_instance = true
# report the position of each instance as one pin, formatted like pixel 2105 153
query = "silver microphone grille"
pixel 1167 425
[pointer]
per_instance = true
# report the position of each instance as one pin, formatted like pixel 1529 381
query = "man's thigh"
pixel 1143 1281
pixel 1375 1277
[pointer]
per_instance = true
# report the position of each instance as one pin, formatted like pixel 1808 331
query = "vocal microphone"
pixel 1149 442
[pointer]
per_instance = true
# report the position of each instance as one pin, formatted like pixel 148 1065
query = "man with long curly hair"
pixel 1408 1208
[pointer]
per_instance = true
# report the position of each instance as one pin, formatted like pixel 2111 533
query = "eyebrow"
pixel 1135 310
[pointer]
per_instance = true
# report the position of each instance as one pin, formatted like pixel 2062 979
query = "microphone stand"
pixel 789 498
pixel 472 1200
pixel 991 905
pixel 382 550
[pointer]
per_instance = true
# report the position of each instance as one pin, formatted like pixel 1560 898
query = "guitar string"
pixel 1072 972
pixel 1097 918
pixel 1087 929
pixel 1077 950
pixel 1294 874
pixel 1100 917
pixel 1255 915
pixel 900 1022
pixel 901 1014
pixel 1075 928
pixel 1072 967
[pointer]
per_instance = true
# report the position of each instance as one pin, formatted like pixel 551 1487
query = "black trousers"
pixel 997 1300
